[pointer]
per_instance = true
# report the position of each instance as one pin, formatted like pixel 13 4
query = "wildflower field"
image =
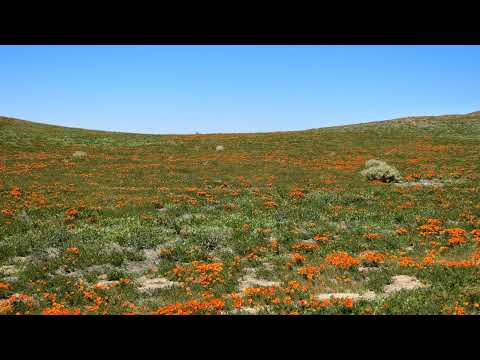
pixel 95 222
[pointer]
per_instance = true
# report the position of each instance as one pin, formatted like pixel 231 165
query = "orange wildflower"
pixel 60 309
pixel 270 204
pixel 372 256
pixel 401 231
pixel 287 300
pixel 456 232
pixel 296 193
pixel 430 258
pixel 476 234
pixel 237 300
pixel 73 250
pixel 71 212
pixel 293 284
pixel 15 192
pixel 4 286
pixel 348 303
pixel 319 237
pixel 302 302
pixel 308 271
pixel 373 236
pixel 406 261
pixel 342 260
pixel 5 306
pixel 458 310
pixel 7 213
pixel 297 257
pixel 465 263
pixel 305 246
pixel 456 240
pixel 265 291
pixel 274 243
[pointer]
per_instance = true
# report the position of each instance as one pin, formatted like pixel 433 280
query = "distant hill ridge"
pixel 4 120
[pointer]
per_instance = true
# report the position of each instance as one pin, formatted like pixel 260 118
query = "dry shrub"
pixel 79 155
pixel 380 170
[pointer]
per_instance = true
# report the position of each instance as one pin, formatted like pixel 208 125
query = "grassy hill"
pixel 275 223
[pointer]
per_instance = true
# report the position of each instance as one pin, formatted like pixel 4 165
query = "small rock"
pixel 21 259
pixel 139 267
pixel 52 252
pixel 252 310
pixel 153 254
pixel 403 282
pixel 249 281
pixel 423 182
pixel 367 269
pixel 150 285
pixel 101 269
pixel 113 247
pixel 9 270
pixel 107 283
pixel 102 277
pixel 185 217
pixel 308 241
pixel 369 295
pixel 79 155
pixel 63 272
pixel 23 216
pixel 268 266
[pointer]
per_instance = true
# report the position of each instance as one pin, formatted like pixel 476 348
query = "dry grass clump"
pixel 79 155
pixel 381 171
pixel 219 148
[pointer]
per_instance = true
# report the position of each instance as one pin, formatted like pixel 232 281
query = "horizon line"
pixel 237 133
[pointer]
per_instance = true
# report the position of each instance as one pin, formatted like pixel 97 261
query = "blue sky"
pixel 188 89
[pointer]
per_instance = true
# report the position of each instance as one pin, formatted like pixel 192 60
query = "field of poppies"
pixel 95 222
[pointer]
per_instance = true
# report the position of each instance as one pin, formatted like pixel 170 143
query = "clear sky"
pixel 188 89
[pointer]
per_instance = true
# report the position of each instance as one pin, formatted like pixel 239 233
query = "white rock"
pixel 107 283
pixel 9 270
pixel 79 154
pixel 368 269
pixel 149 285
pixel 369 295
pixel 403 282
pixel 249 281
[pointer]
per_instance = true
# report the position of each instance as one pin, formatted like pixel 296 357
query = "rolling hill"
pixel 96 222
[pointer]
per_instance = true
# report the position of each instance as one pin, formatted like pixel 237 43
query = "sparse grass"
pixel 143 207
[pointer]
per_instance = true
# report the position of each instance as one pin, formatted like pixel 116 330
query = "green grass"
pixel 166 206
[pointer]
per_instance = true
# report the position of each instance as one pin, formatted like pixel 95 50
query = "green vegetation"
pixel 274 223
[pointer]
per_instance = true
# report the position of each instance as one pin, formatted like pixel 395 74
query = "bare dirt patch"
pixel 403 282
pixel 149 285
pixel 249 280
pixel 369 295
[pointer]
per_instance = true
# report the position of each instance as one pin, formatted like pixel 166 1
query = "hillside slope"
pixel 274 223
